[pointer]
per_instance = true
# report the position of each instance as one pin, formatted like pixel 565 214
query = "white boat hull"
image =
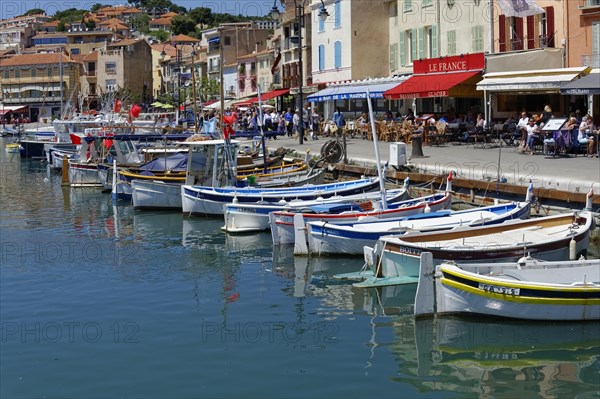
pixel 243 218
pixel 326 238
pixel 85 175
pixel 283 231
pixel 456 300
pixel 152 194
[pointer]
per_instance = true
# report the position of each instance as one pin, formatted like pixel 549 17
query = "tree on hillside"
pixel 141 22
pixel 70 15
pixel 182 24
pixel 202 15
pixel 96 7
pixel 160 35
pixel 35 11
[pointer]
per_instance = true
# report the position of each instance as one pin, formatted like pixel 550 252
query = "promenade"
pixel 572 173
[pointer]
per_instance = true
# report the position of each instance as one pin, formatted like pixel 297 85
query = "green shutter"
pixel 413 44
pixel 421 42
pixel 402 49
pixel 451 42
pixel 434 41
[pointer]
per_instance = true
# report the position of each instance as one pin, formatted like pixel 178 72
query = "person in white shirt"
pixel 532 129
pixel 522 125
pixel 585 138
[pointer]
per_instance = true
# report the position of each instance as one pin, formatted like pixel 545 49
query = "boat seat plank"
pixel 555 276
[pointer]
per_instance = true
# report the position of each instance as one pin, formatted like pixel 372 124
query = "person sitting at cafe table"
pixel 585 136
pixel 522 125
pixel 532 129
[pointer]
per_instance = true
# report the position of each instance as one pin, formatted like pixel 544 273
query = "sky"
pixel 13 8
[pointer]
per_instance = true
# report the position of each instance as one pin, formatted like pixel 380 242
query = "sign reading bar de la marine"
pixel 457 63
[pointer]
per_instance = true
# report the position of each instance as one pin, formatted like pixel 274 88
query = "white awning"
pixel 376 88
pixel 526 81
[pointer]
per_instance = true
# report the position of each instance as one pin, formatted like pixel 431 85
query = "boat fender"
pixel 572 249
pixel 427 208
pixel 282 202
pixel 234 200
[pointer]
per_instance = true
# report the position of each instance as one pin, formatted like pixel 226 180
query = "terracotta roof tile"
pixel 181 38
pixel 170 14
pixel 161 21
pixel 33 59
pixel 93 56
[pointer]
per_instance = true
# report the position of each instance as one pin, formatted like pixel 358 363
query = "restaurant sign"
pixel 457 63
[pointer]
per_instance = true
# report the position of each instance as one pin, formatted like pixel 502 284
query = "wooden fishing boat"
pixel 287 226
pixel 13 148
pixel 326 238
pixel 395 259
pixel 528 289
pixel 245 218
pixel 290 227
pixel 211 200
pixel 209 162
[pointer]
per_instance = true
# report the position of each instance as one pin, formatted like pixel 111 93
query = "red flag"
pixel 117 106
pixel 135 110
pixel 108 142
pixel 75 139
pixel 228 121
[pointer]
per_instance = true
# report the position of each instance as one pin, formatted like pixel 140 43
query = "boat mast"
pixel 379 170
pixel 262 130
pixel 61 72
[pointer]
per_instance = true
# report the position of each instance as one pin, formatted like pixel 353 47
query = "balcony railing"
pixel 516 44
pixel 92 73
pixel 591 60
pixel 589 3
pixel 111 71
pixel 545 41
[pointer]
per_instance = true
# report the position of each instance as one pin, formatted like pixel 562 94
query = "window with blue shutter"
pixel 338 13
pixel 337 54
pixel 321 22
pixel 402 50
pixel 321 57
pixel 434 41
pixel 421 43
pixel 413 45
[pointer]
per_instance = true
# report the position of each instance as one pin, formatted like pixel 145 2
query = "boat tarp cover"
pixel 177 162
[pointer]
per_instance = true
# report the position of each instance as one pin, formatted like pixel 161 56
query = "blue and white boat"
pixel 395 259
pixel 211 200
pixel 286 225
pixel 245 218
pixel 325 238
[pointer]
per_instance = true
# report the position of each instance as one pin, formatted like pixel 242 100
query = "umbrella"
pixel 157 104
pixel 167 106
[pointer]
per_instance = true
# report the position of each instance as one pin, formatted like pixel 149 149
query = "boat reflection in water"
pixel 493 358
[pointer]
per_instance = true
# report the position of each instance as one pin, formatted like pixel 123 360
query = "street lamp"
pixel 323 14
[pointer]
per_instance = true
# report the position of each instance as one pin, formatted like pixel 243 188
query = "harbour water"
pixel 98 300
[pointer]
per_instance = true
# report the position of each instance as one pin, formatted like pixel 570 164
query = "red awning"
pixel 431 85
pixel 263 97
pixel 247 103
pixel 272 94
pixel 12 108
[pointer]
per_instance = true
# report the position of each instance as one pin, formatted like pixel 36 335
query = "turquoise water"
pixel 102 301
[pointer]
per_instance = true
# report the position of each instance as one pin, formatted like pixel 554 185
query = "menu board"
pixel 554 124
